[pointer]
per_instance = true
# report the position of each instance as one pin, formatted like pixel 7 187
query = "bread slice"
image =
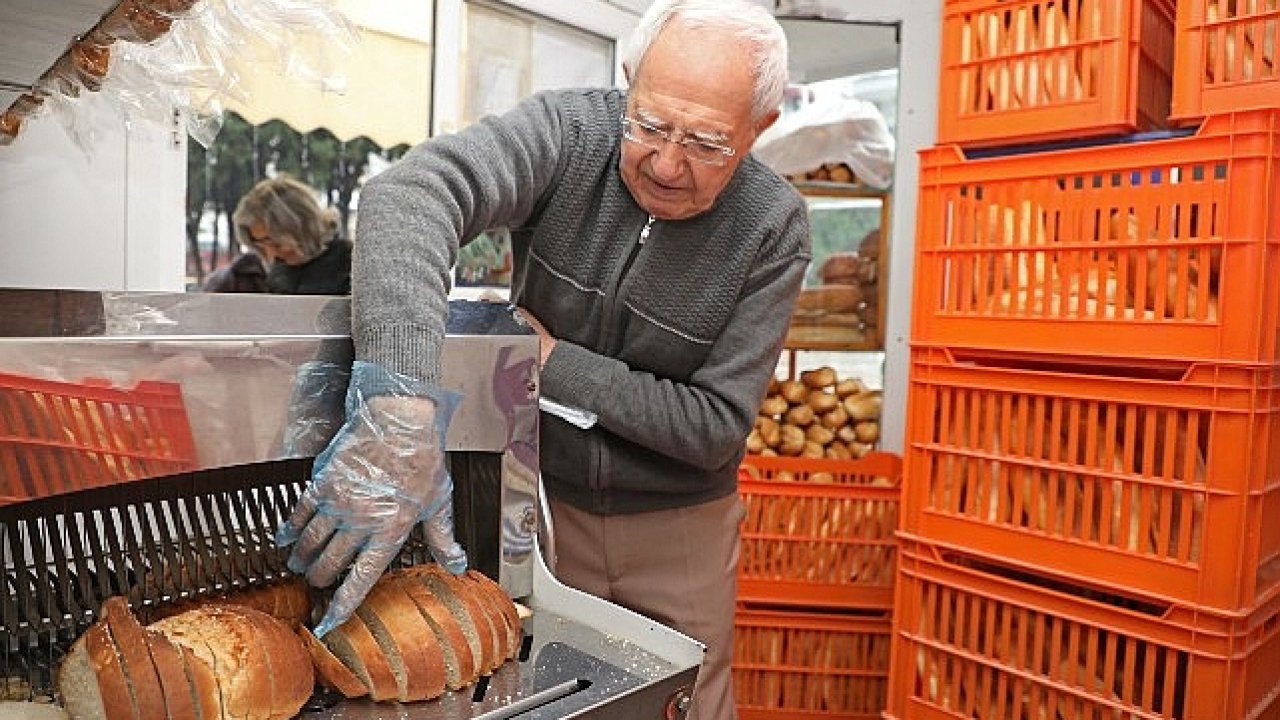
pixel 288 664
pixel 77 682
pixel 409 643
pixel 220 636
pixel 135 659
pixel 331 672
pixel 489 619
pixel 502 634
pixel 459 662
pixel 117 698
pixel 200 676
pixel 356 647
pixel 475 624
pixel 179 694
pixel 501 601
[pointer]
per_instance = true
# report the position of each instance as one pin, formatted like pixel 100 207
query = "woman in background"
pixel 281 220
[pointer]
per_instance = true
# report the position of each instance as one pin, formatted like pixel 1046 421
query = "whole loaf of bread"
pixel 209 662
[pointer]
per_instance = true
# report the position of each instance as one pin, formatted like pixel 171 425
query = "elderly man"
pixel 659 263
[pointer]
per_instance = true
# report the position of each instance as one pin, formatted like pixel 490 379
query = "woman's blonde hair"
pixel 289 210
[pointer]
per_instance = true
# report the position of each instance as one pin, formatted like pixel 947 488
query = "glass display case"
pixel 841 305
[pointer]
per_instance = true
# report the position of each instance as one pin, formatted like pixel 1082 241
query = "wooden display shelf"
pixel 829 189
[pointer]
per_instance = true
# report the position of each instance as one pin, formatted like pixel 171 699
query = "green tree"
pixel 242 154
pixel 279 148
pixel 353 165
pixel 197 197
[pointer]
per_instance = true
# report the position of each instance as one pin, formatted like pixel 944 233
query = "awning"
pixel 388 81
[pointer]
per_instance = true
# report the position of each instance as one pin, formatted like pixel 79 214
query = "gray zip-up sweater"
pixel 670 341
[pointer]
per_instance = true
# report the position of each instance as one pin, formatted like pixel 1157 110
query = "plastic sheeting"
pixel 841 130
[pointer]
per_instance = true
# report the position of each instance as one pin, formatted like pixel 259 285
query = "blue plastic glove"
pixel 315 407
pixel 382 474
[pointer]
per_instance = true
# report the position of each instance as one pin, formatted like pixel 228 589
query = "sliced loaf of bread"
pixel 407 640
pixel 418 618
pixel 459 657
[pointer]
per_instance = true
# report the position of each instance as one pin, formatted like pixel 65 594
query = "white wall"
pixel 111 219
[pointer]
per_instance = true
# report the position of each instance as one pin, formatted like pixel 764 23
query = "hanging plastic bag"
pixel 842 130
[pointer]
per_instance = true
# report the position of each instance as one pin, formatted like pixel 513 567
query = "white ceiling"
pixel 825 49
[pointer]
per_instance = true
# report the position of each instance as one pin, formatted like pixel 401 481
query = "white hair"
pixel 744 21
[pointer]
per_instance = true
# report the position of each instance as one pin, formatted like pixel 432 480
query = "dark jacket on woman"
pixel 328 273
pixel 247 274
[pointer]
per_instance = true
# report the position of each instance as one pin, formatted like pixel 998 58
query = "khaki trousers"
pixel 677 567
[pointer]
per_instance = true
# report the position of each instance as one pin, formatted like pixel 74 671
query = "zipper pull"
pixel 644 233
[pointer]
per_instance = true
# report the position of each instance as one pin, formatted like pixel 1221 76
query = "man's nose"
pixel 668 160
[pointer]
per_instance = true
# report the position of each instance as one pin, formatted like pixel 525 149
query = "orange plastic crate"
pixel 1161 249
pixel 1035 70
pixel 795 665
pixel 1226 57
pixel 56 437
pixel 975 641
pixel 818 532
pixel 1162 481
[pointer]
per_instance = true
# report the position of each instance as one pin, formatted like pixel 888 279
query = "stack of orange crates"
pixel 815 587
pixel 56 436
pixel 1036 70
pixel 1091 499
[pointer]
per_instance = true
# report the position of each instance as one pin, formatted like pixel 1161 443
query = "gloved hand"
pixel 383 472
pixel 315 407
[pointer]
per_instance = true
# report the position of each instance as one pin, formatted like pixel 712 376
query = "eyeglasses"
pixel 264 240
pixel 699 151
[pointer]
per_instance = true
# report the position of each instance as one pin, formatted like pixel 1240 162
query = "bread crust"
pixel 479 607
pixel 442 584
pixel 415 642
pixel 383 681
pixel 506 608
pixel 179 693
pixel 200 675
pixel 288 663
pixel 222 637
pixel 135 660
pixel 460 663
pixel 288 601
pixel 331 672
pixel 116 700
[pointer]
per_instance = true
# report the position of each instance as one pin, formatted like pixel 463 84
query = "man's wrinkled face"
pixel 694 90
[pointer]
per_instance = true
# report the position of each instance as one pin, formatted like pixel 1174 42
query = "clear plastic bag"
pixel 152 58
pixel 840 130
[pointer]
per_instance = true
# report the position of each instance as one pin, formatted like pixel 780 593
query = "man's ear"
pixel 767 121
